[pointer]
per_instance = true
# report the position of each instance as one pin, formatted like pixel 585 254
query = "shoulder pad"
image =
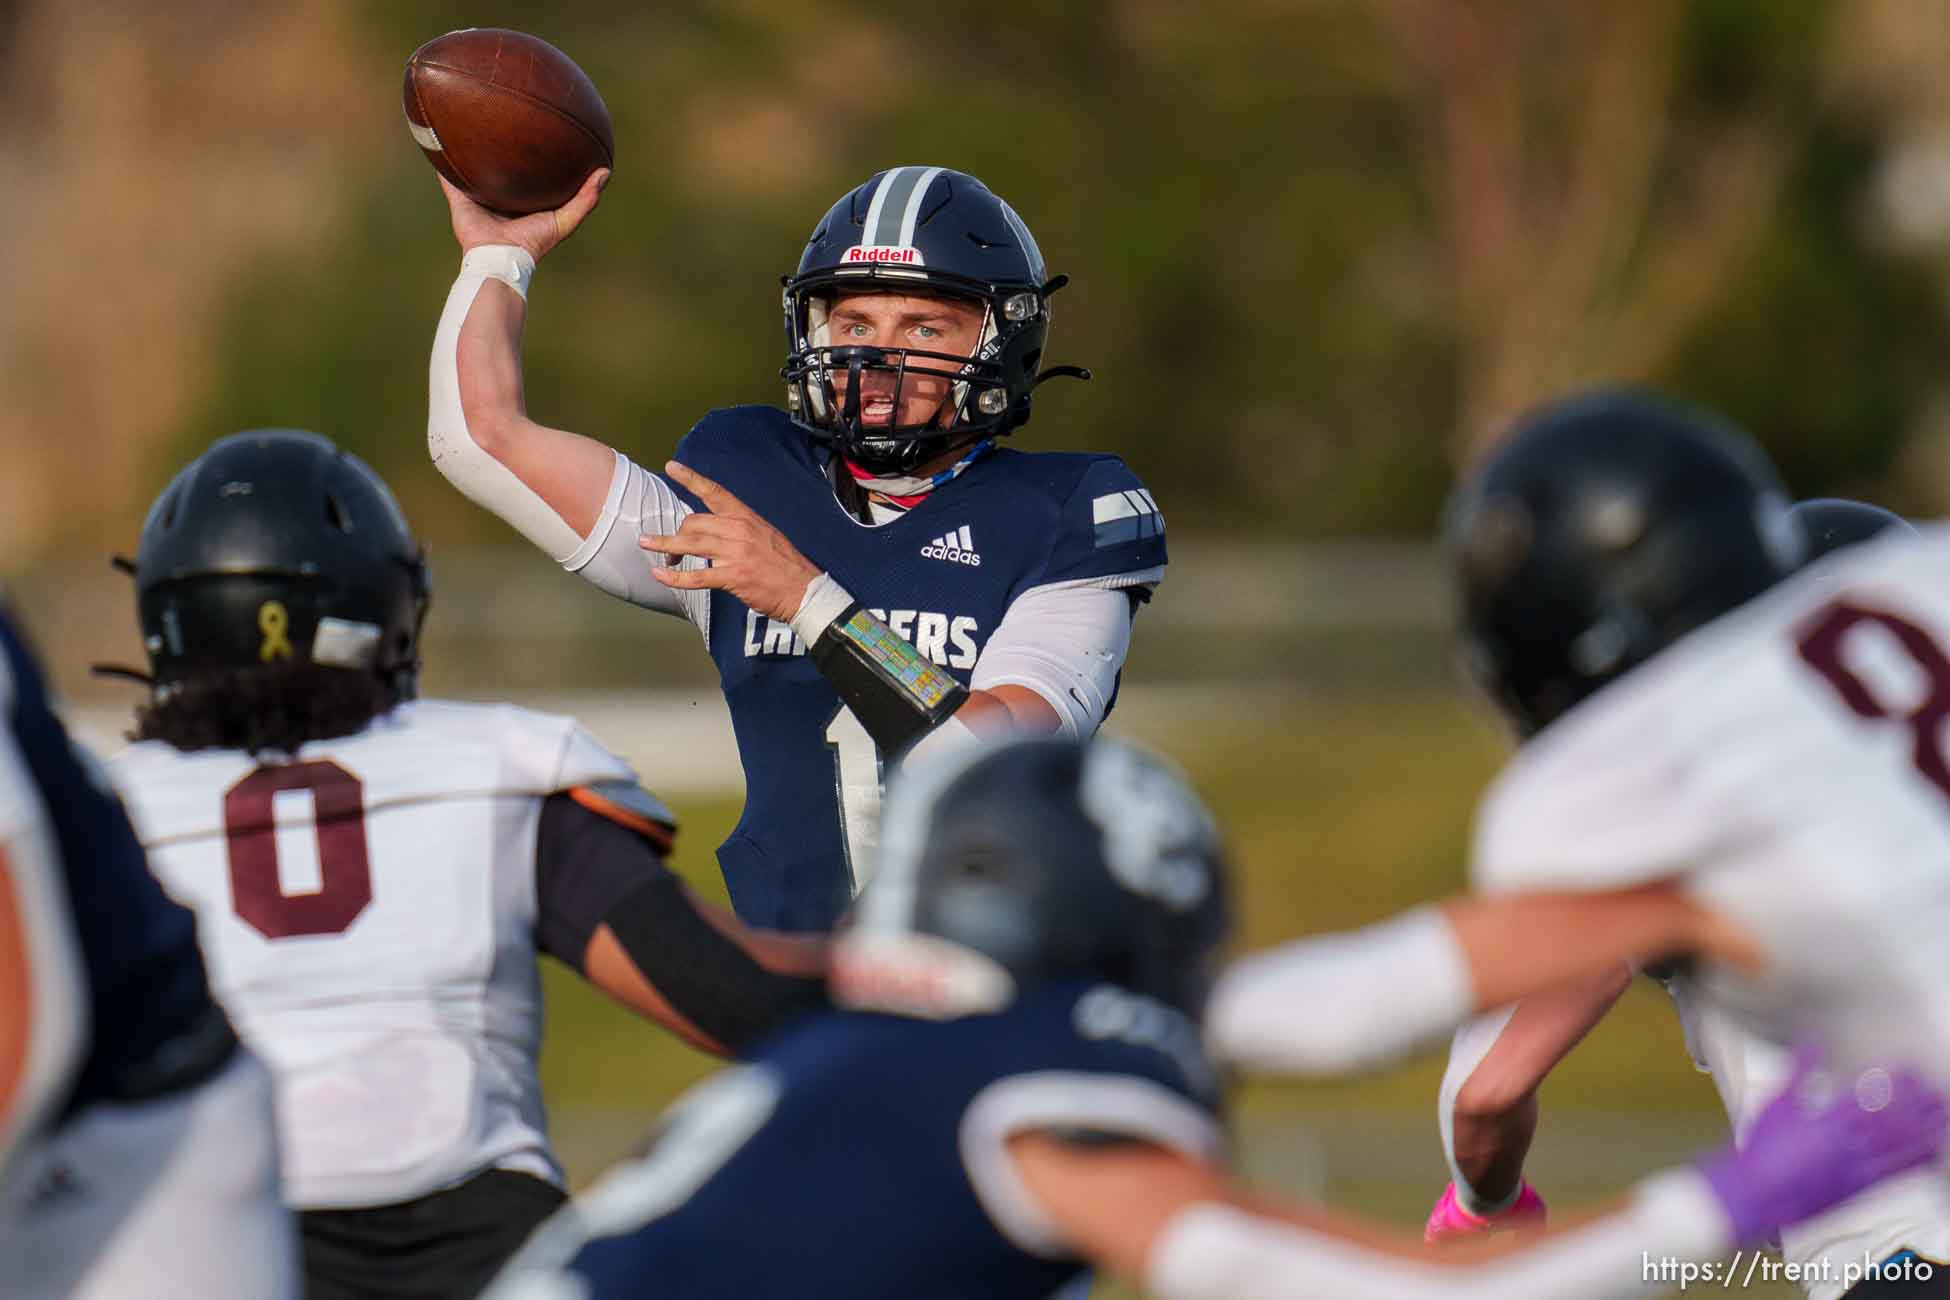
pixel 584 760
pixel 1109 525
pixel 733 433
pixel 630 805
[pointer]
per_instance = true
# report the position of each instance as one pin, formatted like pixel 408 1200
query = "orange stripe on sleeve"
pixel 656 832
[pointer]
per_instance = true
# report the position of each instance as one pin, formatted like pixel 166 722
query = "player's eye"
pixel 857 329
pixel 926 332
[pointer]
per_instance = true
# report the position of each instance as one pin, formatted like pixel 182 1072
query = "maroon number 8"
pixel 1821 649
pixel 344 866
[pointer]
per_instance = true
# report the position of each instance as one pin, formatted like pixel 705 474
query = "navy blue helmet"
pixel 919 230
pixel 275 545
pixel 1830 523
pixel 1606 527
pixel 1009 865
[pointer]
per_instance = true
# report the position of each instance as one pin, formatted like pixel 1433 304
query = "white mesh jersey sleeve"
pixel 585 760
pixel 637 501
pixel 1609 795
pixel 1067 642
pixel 639 504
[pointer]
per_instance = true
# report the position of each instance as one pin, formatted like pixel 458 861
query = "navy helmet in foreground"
pixel 1030 958
pixel 1044 859
pixel 1606 527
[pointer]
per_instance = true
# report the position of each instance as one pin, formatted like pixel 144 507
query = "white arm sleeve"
pixel 1340 1003
pixel 480 477
pixel 1466 1051
pixel 1216 1252
pixel 1066 642
pixel 637 500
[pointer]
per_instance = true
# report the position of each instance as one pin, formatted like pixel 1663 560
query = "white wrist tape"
pixel 504 262
pixel 824 601
pixel 1216 1252
pixel 1341 1003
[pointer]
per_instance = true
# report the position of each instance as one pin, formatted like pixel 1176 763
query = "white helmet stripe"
pixel 890 204
pixel 887 182
pixel 911 217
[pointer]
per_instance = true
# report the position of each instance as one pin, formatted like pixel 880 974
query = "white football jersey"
pixel 1787 763
pixel 367 913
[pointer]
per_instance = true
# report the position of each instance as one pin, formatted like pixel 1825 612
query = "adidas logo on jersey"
pixel 957 547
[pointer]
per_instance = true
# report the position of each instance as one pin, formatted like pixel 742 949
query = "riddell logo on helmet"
pixel 905 254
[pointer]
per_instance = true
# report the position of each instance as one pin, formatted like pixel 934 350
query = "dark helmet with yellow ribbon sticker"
pixel 272 546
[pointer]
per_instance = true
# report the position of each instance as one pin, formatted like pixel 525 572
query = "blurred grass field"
pixel 1339 809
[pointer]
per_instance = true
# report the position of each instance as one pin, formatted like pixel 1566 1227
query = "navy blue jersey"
pixel 145 973
pixel 941 575
pixel 864 1155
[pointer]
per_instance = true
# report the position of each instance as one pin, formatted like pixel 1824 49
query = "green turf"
pixel 1338 810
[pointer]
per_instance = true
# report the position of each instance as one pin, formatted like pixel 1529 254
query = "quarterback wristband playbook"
pixel 898 694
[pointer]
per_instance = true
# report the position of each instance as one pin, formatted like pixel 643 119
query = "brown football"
pixel 507 117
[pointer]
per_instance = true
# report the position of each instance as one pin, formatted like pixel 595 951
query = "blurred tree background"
pixel 1322 250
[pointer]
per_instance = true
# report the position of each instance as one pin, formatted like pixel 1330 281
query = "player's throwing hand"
pixel 536 234
pixel 749 558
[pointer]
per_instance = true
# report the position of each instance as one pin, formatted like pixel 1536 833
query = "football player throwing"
pixel 868 569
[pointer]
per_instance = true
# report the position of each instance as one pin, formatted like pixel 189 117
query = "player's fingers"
pixel 703 525
pixel 698 526
pixel 686 543
pixel 688 579
pixel 717 499
pixel 571 214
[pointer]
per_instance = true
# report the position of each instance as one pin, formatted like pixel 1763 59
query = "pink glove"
pixel 1450 1219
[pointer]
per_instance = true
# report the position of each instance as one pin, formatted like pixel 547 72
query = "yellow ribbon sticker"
pixel 272 621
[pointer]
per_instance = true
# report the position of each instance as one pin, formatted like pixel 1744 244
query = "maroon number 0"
pixel 1821 649
pixel 344 866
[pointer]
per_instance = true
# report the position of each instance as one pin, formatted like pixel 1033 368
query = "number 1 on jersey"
pixel 856 776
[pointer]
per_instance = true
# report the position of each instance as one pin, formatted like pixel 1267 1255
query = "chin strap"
pixel 909 489
pixel 121 564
